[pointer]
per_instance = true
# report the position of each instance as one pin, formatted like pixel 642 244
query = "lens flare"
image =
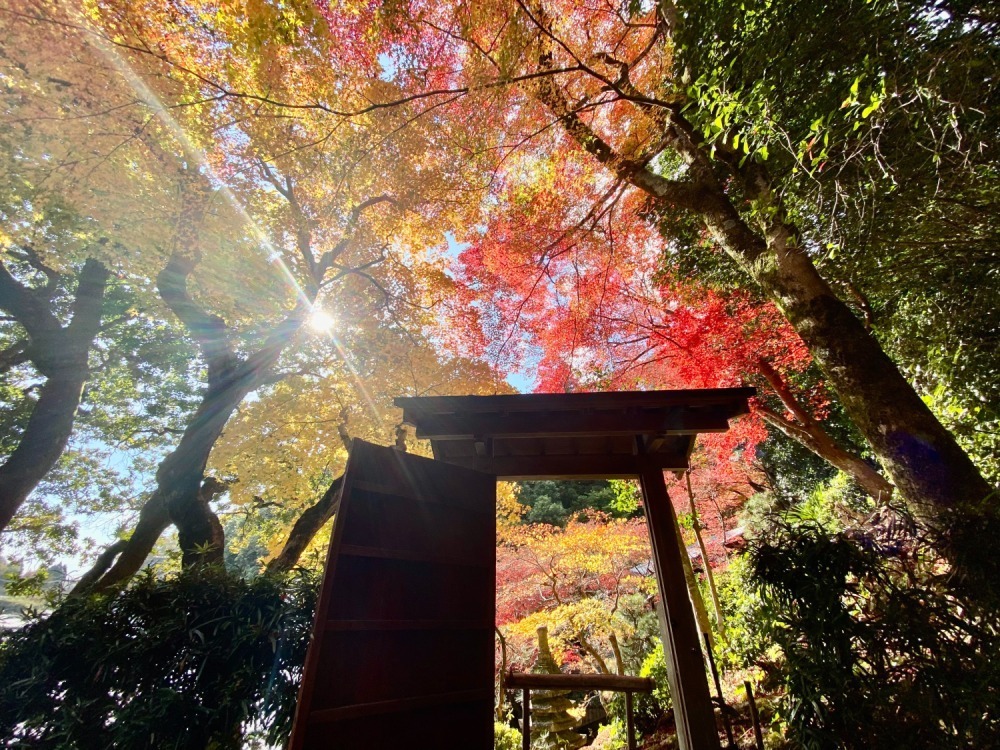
pixel 321 321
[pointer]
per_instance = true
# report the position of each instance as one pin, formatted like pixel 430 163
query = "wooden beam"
pixel 599 466
pixel 397 705
pixel 693 711
pixel 670 421
pixel 736 397
pixel 620 683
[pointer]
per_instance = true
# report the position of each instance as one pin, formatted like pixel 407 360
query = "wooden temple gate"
pixel 402 647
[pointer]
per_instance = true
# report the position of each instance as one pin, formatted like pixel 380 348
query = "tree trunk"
pixel 936 477
pixel 133 552
pixel 183 493
pixel 709 575
pixel 230 379
pixel 921 457
pixel 43 441
pixel 180 476
pixel 305 528
pixel 153 521
pixel 811 434
pixel 694 591
pixel 616 649
pixel 60 354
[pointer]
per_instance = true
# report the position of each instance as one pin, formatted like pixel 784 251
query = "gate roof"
pixel 572 435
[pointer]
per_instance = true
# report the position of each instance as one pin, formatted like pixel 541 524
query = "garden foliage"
pixel 880 648
pixel 199 660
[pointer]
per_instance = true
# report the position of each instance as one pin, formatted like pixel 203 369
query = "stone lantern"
pixel 551 723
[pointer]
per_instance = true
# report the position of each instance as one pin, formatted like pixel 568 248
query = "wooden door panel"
pixel 456 724
pixel 396 674
pixel 384 521
pixel 400 589
pixel 402 646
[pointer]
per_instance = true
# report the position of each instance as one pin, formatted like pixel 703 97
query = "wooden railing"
pixel 610 682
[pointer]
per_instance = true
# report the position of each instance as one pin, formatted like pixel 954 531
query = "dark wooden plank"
pixel 686 674
pixel 371 666
pixel 395 487
pixel 386 553
pixel 414 406
pixel 668 421
pixel 387 521
pixel 385 589
pixel 402 704
pixel 579 682
pixel 445 727
pixel 332 625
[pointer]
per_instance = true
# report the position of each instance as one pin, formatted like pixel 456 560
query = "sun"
pixel 321 321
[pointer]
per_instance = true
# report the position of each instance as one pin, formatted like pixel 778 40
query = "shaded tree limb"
pixel 99 568
pixel 616 649
pixel 60 354
pixel 599 662
pixel 709 575
pixel 810 433
pixel 133 552
pixel 305 528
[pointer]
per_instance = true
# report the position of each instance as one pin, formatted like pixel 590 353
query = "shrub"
pixel 655 667
pixel 746 629
pixel 202 659
pixel 880 650
pixel 505 737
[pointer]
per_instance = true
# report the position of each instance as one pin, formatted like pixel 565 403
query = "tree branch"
pixel 784 393
pixel 686 195
pixel 208 330
pixel 305 528
pixel 330 257
pixel 28 307
pixel 14 355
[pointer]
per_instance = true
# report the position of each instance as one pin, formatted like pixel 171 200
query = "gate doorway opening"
pixel 402 646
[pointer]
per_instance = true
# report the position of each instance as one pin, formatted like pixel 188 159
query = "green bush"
pixel 617 737
pixel 746 629
pixel 505 737
pixel 880 650
pixel 647 709
pixel 199 660
pixel 655 667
